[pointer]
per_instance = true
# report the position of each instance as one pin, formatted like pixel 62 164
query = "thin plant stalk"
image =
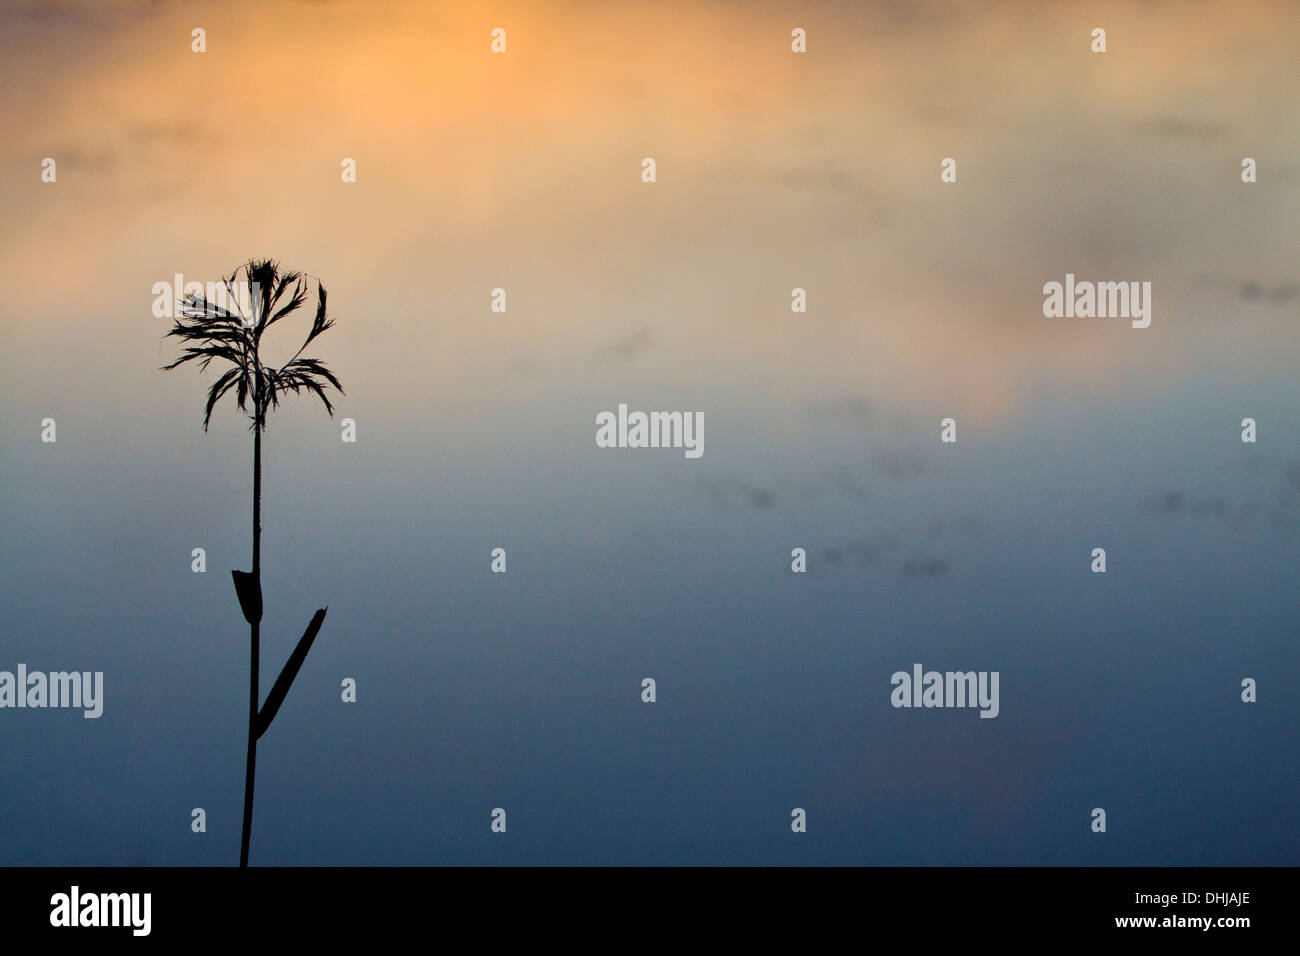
pixel 216 331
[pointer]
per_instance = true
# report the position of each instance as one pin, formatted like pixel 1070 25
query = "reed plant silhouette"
pixel 230 330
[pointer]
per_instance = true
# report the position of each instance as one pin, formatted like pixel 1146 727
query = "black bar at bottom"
pixel 661 906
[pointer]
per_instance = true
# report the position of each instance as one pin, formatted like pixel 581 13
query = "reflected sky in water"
pixel 476 430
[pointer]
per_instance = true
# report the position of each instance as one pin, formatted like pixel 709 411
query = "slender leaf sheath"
pixel 249 590
pixel 291 668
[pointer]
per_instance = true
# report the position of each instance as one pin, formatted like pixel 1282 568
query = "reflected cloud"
pixel 1181 129
pixel 1273 498
pixel 925 568
pixel 1280 294
pixel 627 348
